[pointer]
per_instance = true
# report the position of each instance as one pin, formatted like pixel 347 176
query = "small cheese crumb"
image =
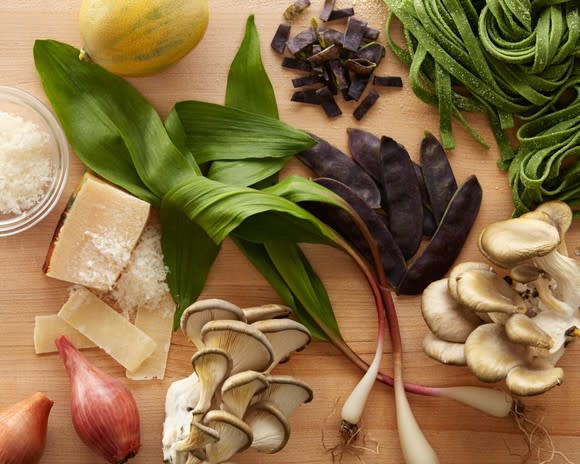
pixel 25 166
pixel 143 284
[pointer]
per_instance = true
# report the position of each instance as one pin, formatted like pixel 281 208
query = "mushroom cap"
pixel 239 389
pixel 522 329
pixel 286 392
pixel 560 213
pixel 490 355
pixel 212 366
pixel 523 381
pixel 285 336
pixel 507 243
pixel 203 311
pixel 445 316
pixel 485 291
pixel 525 273
pixel 443 351
pixel 263 312
pixel 460 269
pixel 235 435
pixel 248 347
pixel 199 436
pixel 269 426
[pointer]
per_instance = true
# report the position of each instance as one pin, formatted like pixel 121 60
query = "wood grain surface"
pixel 458 433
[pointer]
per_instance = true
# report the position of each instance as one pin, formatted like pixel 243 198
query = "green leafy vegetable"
pixel 188 253
pixel 109 124
pixel 216 132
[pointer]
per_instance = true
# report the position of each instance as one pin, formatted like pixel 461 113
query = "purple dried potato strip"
pixel 329 53
pixel 363 108
pixel 448 240
pixel 388 81
pixel 327 10
pixel 301 41
pixel 341 13
pixel 402 196
pixel 282 35
pixel 439 179
pixel 328 103
pixel 328 161
pixel 354 33
pixel 391 257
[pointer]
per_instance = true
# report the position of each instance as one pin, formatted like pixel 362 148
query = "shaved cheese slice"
pixel 101 324
pixel 96 235
pixel 157 322
pixel 48 328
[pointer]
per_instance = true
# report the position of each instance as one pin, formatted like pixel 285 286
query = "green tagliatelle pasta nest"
pixel 504 58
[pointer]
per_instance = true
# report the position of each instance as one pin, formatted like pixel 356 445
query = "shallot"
pixel 104 412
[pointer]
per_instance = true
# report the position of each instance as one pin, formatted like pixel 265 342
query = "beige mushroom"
pixel 239 389
pixel 507 243
pixel 286 392
pixel 485 291
pixel 269 426
pixel 212 366
pixel 445 316
pixel 203 311
pixel 522 329
pixel 199 436
pixel 459 269
pixel 235 436
pixel 247 346
pixel 525 273
pixel 285 336
pixel 562 217
pixel 444 351
pixel 525 382
pixel 490 355
pixel 263 312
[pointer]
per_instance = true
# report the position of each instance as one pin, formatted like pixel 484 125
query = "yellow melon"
pixel 140 37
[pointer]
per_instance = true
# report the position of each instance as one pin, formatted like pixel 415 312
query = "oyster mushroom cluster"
pixel 232 401
pixel 514 327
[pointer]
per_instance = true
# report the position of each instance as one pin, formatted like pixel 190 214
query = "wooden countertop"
pixel 458 433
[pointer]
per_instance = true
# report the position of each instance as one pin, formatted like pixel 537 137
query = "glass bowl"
pixel 19 103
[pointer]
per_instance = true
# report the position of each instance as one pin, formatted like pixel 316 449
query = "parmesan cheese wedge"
pixel 96 234
pixel 157 322
pixel 104 326
pixel 48 328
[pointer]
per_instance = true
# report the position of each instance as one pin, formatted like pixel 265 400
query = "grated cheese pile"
pixel 25 166
pixel 143 284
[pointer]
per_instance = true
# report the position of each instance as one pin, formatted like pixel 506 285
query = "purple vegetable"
pixel 373 52
pixel 280 38
pixel 402 196
pixel 326 100
pixel 293 63
pixel 327 10
pixel 363 108
pixel 391 257
pixel 306 96
pixel 328 161
pixel 296 9
pixel 307 80
pixel 331 52
pixel 357 87
pixel 388 81
pixel 354 33
pixel 446 244
pixel 440 181
pixel 341 14
pixel 302 40
pixel 364 149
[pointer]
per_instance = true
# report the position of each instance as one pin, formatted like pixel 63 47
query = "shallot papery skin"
pixel 104 411
pixel 23 430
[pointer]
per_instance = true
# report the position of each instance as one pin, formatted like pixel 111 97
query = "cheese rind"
pixel 157 322
pixel 104 326
pixel 96 235
pixel 48 328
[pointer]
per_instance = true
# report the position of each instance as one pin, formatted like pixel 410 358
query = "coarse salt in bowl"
pixel 34 161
